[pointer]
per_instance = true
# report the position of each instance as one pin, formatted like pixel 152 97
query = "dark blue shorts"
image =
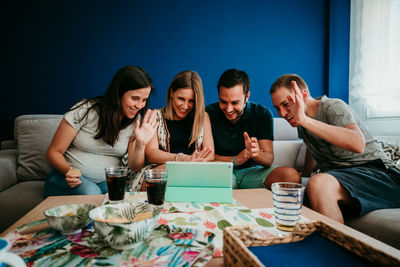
pixel 372 184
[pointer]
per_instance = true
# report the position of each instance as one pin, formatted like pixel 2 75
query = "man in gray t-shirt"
pixel 354 172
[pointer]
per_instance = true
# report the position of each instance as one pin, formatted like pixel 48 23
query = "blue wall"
pixel 58 52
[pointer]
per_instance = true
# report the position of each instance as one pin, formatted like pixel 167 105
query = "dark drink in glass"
pixel 156 182
pixel 116 183
pixel 156 191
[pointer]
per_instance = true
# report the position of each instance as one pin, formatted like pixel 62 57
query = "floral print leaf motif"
pixel 83 251
pixel 173 209
pixel 243 217
pixel 103 264
pixel 184 246
pixel 163 228
pixel 194 219
pixel 49 249
pixel 208 208
pixel 94 240
pixel 106 251
pixel 223 223
pixel 60 255
pixel 195 205
pixel 181 221
pixel 264 222
pixel 245 210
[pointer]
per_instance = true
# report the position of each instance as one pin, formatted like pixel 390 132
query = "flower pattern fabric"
pixel 188 234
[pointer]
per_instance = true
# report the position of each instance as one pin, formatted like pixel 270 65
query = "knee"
pixel 288 174
pixel 282 174
pixel 316 186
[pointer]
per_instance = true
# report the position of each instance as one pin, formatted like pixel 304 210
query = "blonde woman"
pixel 184 131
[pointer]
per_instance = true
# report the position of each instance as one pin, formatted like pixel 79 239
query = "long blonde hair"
pixel 188 79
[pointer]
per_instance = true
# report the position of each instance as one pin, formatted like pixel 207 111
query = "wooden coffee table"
pixel 251 198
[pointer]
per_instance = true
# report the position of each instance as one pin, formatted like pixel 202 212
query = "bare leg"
pixel 326 193
pixel 282 174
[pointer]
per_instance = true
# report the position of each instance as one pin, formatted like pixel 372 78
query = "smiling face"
pixel 182 102
pixel 281 103
pixel 232 101
pixel 134 100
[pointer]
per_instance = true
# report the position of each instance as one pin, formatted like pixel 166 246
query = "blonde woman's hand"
pixel 201 155
pixel 144 131
pixel 72 177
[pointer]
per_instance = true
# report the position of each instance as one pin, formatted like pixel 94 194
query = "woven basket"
pixel 238 238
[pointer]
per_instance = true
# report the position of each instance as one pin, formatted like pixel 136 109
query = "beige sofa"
pixel 23 168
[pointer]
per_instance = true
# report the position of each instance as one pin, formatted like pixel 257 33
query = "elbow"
pixel 149 155
pixel 49 154
pixel 358 147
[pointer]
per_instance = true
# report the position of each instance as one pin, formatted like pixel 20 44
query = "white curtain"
pixel 374 91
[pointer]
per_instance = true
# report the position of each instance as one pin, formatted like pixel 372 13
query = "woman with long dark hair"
pixel 96 133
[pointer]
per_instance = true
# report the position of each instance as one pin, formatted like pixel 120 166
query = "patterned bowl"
pixel 122 225
pixel 69 219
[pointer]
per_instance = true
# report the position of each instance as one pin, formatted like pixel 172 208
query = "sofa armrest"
pixel 8 144
pixel 8 168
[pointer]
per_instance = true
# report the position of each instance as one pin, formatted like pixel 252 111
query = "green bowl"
pixel 116 225
pixel 69 219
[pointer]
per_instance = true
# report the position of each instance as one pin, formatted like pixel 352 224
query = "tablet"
pixel 199 181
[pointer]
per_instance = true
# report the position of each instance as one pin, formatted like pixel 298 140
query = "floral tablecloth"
pixel 189 234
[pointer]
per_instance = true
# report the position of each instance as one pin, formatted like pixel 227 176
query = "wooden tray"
pixel 237 239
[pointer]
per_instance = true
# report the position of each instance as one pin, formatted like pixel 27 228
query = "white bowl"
pixel 69 219
pixel 122 225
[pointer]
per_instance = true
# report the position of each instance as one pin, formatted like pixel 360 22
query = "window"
pixel 374 90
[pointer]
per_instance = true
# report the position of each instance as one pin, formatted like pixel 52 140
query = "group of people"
pixel 350 172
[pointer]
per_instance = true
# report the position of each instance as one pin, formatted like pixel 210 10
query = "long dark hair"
pixel 108 106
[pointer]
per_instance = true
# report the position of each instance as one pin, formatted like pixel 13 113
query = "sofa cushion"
pixel 33 134
pixel 18 200
pixel 284 131
pixel 286 152
pixel 8 166
pixel 381 224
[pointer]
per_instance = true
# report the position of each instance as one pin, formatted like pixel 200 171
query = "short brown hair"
pixel 233 77
pixel 286 81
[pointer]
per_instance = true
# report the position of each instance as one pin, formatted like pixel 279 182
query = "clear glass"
pixel 288 201
pixel 116 183
pixel 156 183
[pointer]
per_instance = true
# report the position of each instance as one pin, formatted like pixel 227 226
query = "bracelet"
pixel 234 162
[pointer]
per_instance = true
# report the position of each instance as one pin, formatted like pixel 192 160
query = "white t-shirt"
pixel 91 155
